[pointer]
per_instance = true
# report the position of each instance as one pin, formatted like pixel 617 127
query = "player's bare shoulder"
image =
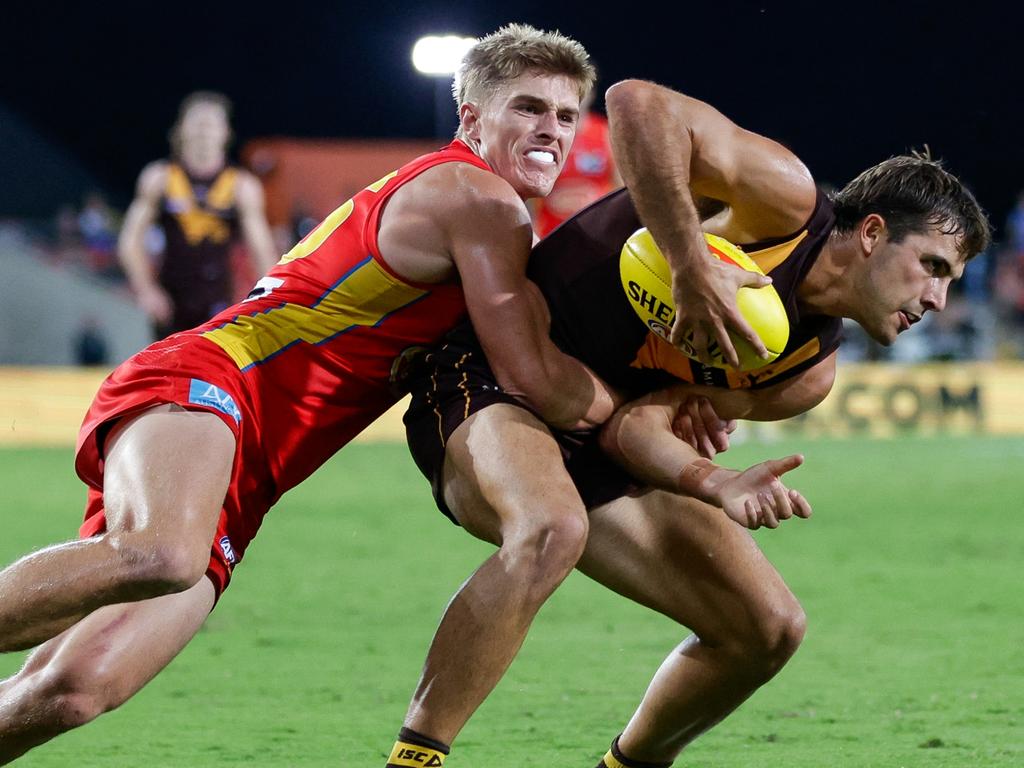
pixel 440 210
pixel 474 192
pixel 773 191
pixel 152 180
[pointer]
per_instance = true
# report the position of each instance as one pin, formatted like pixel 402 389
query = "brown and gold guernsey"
pixel 577 268
pixel 199 218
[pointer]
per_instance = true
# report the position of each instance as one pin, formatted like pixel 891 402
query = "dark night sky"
pixel 843 84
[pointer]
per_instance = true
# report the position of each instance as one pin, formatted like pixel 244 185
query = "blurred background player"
pixel 588 174
pixel 203 205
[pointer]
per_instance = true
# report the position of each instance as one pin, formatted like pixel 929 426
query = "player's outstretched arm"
pixel 669 147
pixel 131 244
pixel 490 239
pixel 645 445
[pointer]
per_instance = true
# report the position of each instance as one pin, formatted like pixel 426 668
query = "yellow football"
pixel 647 282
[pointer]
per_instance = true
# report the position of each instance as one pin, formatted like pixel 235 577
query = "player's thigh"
pixel 504 471
pixel 116 650
pixel 686 559
pixel 167 469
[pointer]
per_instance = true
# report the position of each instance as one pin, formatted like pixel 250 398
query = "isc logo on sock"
pixel 415 758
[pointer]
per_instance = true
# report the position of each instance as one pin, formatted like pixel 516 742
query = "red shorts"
pixel 195 380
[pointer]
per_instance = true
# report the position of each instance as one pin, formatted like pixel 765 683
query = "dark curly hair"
pixel 914 194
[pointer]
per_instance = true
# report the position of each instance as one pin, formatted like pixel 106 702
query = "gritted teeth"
pixel 541 156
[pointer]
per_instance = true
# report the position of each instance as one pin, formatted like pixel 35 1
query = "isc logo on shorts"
pixel 204 393
pixel 227 549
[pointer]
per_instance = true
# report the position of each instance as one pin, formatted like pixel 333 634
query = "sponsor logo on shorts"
pixel 203 393
pixel 227 549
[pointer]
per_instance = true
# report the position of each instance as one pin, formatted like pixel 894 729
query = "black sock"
pixel 615 759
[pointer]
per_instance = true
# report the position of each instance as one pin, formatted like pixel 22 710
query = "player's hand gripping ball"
pixel 647 281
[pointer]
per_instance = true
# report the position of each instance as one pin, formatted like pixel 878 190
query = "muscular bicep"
pixel 767 190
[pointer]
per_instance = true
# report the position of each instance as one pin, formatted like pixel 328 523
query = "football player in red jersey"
pixel 190 442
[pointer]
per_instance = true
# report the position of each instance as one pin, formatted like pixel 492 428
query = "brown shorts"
pixel 452 382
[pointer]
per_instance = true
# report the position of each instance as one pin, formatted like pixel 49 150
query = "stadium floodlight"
pixel 440 54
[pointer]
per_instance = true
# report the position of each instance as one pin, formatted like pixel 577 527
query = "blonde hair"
pixel 514 50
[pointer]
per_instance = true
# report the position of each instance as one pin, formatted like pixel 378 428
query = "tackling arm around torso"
pixel 457 218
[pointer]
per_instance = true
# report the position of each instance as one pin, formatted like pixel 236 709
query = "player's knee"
pixel 546 547
pixel 152 568
pixel 772 639
pixel 66 698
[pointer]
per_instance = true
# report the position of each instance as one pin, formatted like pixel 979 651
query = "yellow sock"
pixel 414 750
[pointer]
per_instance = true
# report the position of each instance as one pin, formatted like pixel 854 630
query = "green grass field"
pixel 910 572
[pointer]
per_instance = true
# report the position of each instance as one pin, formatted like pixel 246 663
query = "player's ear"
pixel 871 231
pixel 469 120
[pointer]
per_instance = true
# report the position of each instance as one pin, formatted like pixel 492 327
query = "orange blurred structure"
pixel 310 178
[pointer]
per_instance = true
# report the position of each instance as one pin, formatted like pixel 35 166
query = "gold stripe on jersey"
pixel 196 223
pixel 222 193
pixel 323 230
pixel 659 354
pixel 326 227
pixel 362 298
pixel 378 185
pixel 769 258
pixel 178 186
pixel 739 379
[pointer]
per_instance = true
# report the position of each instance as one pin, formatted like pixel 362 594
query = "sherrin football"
pixel 648 284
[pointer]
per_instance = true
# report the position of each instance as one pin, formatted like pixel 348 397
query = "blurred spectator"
pixel 67 243
pixel 1009 284
pixel 90 345
pixel 97 227
pixel 203 205
pixel 303 221
pixel 589 173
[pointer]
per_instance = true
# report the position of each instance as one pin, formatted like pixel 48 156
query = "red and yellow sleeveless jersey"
pixel 588 174
pixel 311 349
pixel 577 269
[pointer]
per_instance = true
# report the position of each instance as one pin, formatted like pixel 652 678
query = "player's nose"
pixel 547 125
pixel 935 298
